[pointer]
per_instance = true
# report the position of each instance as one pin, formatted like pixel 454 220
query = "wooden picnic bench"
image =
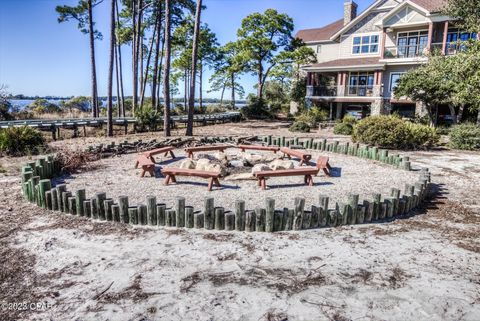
pixel 171 173
pixel 304 157
pixel 243 148
pixel 307 172
pixel 146 164
pixel 191 150
pixel 149 154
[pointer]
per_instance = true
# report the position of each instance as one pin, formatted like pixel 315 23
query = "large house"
pixel 361 56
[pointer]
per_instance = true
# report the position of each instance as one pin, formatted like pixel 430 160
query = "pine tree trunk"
pixel 233 90
pixel 200 94
pixel 260 80
pixel 117 81
pixel 160 71
pixel 193 76
pixel 223 93
pixel 166 72
pixel 157 57
pixel 94 101
pixel 110 70
pixel 134 56
pixel 144 85
pixel 120 70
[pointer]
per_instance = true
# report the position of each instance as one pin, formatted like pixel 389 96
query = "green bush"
pixel 465 136
pixel 393 132
pixel 18 141
pixel 312 116
pixel 345 127
pixel 299 126
pixel 255 108
pixel 148 118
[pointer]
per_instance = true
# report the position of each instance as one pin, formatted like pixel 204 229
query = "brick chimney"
pixel 349 11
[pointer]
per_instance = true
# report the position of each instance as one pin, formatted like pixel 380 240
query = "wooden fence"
pixel 37 188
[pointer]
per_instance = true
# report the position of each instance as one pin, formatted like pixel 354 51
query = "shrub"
pixel 255 108
pixel 75 161
pixel 345 127
pixel 312 116
pixel 299 126
pixel 393 132
pixel 148 118
pixel 465 136
pixel 19 141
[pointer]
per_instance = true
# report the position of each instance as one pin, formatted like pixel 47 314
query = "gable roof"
pixel 431 6
pixel 320 34
pixel 331 31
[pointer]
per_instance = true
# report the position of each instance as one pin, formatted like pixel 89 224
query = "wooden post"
pixel 53 191
pixel 314 217
pixel 219 218
pixel 250 221
pixel 152 210
pixel 269 214
pixel 100 205
pixel 116 213
pixel 161 208
pixel 368 211
pixel 124 214
pixel 198 220
pixel 60 189
pixel 229 221
pixel 180 211
pixel 189 219
pixel 142 214
pixel 278 221
pixel 44 186
pixel 133 214
pixel 290 219
pixel 48 200
pixel 353 208
pixel 87 208
pixel 333 217
pixel 299 213
pixel 170 218
pixel 209 213
pixel 108 209
pixel 240 215
pixel 377 208
pixel 79 198
pixel 260 219
pixel 323 218
pixel 72 208
pixel 65 196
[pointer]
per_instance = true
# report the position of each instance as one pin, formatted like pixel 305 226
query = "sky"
pixel 39 56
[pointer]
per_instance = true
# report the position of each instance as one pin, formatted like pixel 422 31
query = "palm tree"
pixel 110 70
pixel 166 71
pixel 193 76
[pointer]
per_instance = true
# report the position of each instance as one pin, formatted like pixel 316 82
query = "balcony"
pixel 350 91
pixel 410 51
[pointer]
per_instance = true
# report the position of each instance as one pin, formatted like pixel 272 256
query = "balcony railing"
pixel 352 91
pixel 321 91
pixel 411 51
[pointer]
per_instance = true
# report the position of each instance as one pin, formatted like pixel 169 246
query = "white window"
pixel 365 44
pixel 319 49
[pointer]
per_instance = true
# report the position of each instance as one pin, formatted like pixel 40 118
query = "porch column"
pixel 430 36
pixel 384 40
pixel 445 34
pixel 339 79
pixel 309 78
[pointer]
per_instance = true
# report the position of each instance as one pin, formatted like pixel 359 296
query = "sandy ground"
pixel 117 177
pixel 425 267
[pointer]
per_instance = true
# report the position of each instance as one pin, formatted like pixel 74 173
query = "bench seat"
pixel 171 173
pixel 191 150
pixel 243 148
pixel 146 164
pixel 304 157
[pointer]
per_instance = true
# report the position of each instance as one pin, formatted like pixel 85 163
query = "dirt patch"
pixel 133 292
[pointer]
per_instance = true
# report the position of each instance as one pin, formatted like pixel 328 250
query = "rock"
pixel 217 168
pixel 205 156
pixel 202 163
pixel 253 158
pixel 240 177
pixel 281 164
pixel 188 164
pixel 260 168
pixel 220 156
pixel 237 163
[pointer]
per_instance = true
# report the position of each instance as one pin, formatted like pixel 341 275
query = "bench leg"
pixel 167 179
pixel 329 167
pixel 151 170
pixel 301 162
pixel 210 184
pixel 310 180
pixel 143 173
pixel 216 182
pixel 327 173
pixel 173 178
pixel 152 159
pixel 136 164
pixel 172 154
pixel 264 184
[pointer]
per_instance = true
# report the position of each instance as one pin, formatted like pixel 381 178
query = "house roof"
pixel 431 5
pixel 330 30
pixel 320 34
pixel 347 63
